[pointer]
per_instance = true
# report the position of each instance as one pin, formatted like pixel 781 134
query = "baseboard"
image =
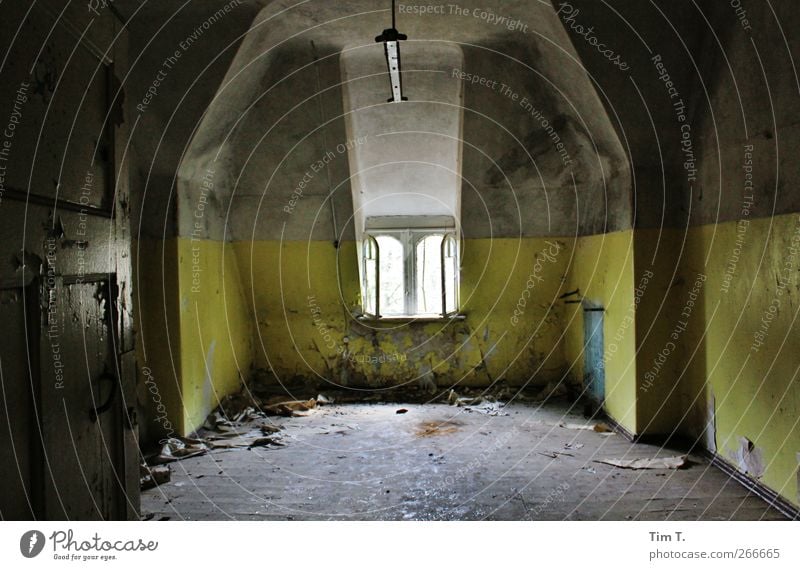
pixel 754 486
pixel 619 428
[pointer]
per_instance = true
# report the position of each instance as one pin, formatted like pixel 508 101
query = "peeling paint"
pixel 748 458
pixel 477 351
pixel 711 423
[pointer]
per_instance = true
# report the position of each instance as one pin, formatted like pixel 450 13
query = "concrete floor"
pixel 437 462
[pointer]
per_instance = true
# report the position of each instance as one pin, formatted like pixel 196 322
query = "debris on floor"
pixel 555 454
pixel 488 408
pixel 269 429
pixel 175 449
pixel 677 462
pixel 235 404
pixel 455 400
pixel 263 388
pixel 154 476
pixel 289 408
pixel 339 461
pixel 241 420
pixel 217 421
pixel 598 427
pixel 485 404
pixel 323 400
pixel 247 441
pixel 249 429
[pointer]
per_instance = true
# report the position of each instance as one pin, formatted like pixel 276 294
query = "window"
pixel 410 273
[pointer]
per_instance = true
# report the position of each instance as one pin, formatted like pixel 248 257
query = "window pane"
pixel 370 276
pixel 392 276
pixel 451 274
pixel 428 271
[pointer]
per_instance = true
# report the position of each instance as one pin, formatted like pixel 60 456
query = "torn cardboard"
pixel 677 462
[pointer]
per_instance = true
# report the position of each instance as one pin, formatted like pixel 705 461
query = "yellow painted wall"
pixel 195 338
pixel 302 315
pixel 291 291
pixel 714 386
pixel 669 313
pixel 756 389
pixel 216 327
pixel 602 267
pixel 155 299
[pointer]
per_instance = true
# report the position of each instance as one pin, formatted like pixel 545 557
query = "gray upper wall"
pixel 166 119
pixel 749 101
pixel 713 52
pixel 541 156
pixel 710 57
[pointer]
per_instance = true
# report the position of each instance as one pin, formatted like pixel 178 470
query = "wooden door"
pixel 66 363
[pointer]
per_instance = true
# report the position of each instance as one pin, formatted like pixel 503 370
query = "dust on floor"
pixel 440 462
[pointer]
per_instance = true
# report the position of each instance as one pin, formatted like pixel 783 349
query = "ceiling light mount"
pixel 391 39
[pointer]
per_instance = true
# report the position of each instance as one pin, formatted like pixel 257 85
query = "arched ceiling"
pixel 540 152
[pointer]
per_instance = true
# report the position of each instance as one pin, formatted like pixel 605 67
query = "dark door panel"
pixel 18 413
pixel 68 446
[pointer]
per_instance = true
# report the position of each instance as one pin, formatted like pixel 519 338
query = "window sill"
pixel 412 319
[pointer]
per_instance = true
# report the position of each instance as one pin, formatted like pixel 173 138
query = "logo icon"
pixel 31 543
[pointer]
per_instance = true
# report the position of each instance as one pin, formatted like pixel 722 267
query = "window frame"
pixel 409 239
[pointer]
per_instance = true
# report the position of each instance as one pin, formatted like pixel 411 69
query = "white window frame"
pixel 409 238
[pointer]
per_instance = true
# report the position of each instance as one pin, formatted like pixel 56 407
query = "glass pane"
pixel 429 275
pixel 370 277
pixel 392 276
pixel 451 274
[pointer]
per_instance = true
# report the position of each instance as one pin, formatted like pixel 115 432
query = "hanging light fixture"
pixel 391 39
